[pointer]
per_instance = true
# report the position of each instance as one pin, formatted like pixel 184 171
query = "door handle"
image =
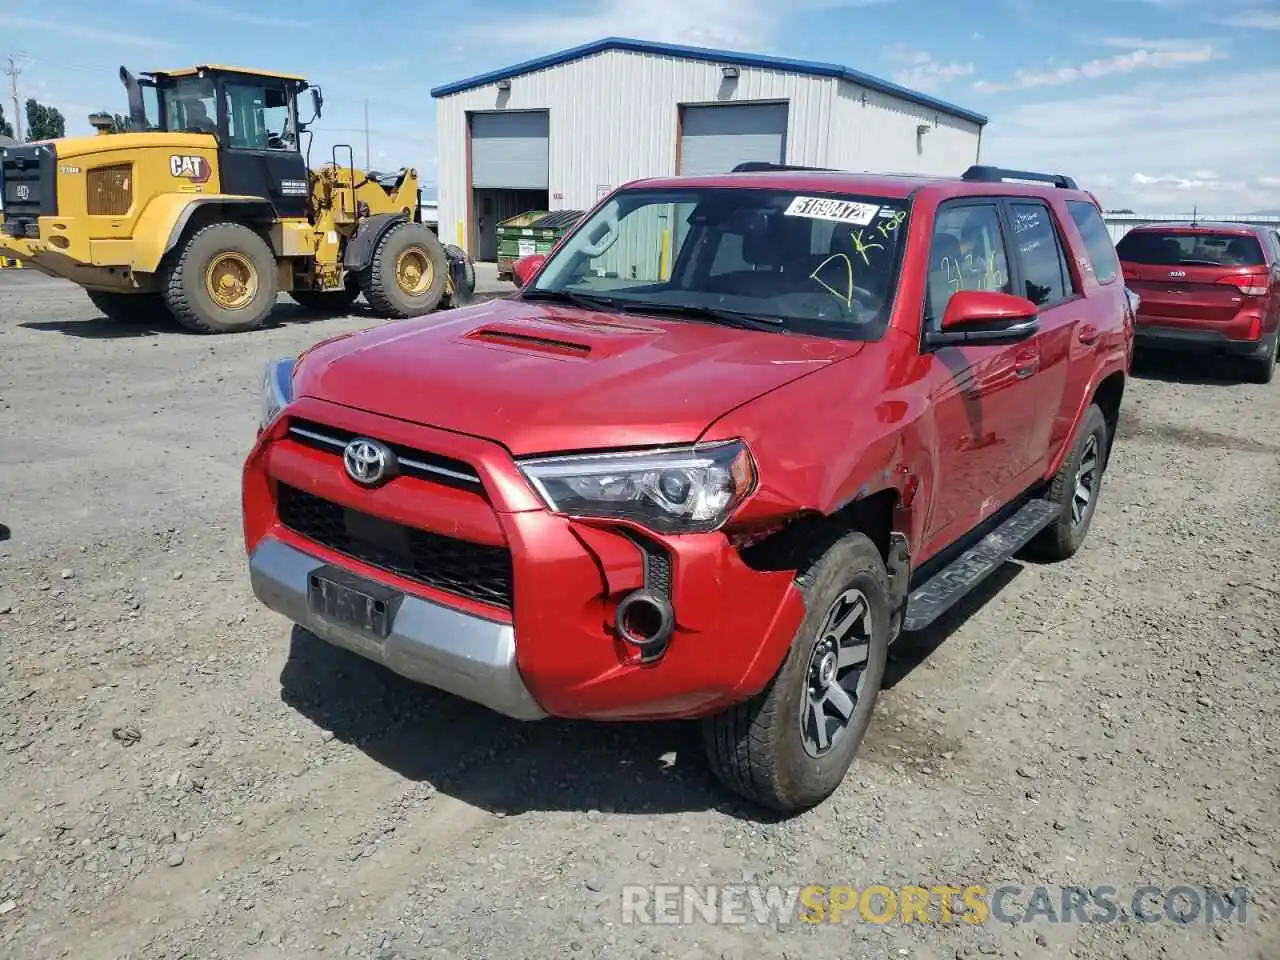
pixel 1088 334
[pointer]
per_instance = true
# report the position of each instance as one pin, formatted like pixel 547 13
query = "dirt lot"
pixel 183 777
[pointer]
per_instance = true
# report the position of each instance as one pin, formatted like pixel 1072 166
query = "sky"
pixel 1155 105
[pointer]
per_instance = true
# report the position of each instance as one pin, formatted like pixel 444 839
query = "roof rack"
pixel 759 166
pixel 987 174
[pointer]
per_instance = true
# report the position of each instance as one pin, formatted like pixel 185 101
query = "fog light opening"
pixel 645 621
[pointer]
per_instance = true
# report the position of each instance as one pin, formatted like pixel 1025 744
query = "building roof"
pixel 727 57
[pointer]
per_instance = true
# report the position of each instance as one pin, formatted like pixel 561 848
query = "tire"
pixel 759 748
pixel 239 255
pixel 1062 538
pixel 1261 367
pixel 144 308
pixel 389 291
pixel 327 302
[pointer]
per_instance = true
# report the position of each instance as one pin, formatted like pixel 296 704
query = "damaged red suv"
pixel 1211 288
pixel 729 440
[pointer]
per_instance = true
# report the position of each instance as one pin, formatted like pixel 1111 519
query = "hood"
pixel 539 378
pixel 69 147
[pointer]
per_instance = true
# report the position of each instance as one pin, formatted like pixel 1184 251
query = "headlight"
pixel 684 490
pixel 277 390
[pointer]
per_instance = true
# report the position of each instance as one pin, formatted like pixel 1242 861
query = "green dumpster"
pixel 534 231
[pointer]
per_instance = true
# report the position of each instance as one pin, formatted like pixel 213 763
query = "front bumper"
pixel 550 645
pixel 429 643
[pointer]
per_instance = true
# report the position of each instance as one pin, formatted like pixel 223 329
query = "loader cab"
pixel 254 117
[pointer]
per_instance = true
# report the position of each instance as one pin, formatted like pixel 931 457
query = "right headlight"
pixel 277 390
pixel 675 490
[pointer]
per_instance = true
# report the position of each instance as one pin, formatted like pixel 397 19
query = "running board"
pixel 950 584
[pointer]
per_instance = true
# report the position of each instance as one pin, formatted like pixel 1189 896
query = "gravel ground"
pixel 182 776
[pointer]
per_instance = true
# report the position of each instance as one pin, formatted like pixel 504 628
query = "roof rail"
pixel 987 174
pixel 759 166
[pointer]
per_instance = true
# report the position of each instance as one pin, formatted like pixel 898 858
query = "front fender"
pixel 359 252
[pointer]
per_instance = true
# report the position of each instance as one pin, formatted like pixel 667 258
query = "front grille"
pixel 413 463
pixel 110 190
pixel 28 186
pixel 476 571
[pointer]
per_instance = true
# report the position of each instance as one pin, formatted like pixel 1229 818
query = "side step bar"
pixel 949 585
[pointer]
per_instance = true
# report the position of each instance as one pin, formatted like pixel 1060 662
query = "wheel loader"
pixel 207 207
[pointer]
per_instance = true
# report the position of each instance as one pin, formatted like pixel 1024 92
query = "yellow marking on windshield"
pixel 847 297
pixel 861 247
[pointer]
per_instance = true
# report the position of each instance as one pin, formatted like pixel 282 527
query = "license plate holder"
pixel 340 597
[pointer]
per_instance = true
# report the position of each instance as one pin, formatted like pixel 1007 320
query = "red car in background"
pixel 1211 287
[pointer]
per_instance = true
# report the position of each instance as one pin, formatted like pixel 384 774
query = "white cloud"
pixel 1143 43
pixel 919 71
pixel 81 31
pixel 1159 146
pixel 1253 20
pixel 1119 63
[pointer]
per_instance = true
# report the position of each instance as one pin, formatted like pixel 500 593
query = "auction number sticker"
pixel 827 208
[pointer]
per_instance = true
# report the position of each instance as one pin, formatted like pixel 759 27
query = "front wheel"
pixel 790 746
pixel 408 272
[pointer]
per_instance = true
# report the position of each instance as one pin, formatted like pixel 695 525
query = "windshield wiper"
pixel 732 318
pixel 1193 262
pixel 584 300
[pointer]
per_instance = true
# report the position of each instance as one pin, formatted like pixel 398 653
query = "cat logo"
pixel 195 169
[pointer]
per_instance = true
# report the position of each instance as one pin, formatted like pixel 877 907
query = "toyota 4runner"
pixel 730 439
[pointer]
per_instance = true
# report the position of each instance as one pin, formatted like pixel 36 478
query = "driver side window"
pixel 258 117
pixel 967 253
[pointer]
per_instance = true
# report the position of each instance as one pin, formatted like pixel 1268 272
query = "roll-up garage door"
pixel 715 139
pixel 509 150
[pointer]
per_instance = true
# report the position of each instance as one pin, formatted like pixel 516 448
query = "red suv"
pixel 730 439
pixel 1207 287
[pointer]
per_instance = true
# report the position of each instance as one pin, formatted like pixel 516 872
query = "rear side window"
pixel 1188 248
pixel 1097 241
pixel 1045 273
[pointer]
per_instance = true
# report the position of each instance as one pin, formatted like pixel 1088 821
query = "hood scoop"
pixel 528 337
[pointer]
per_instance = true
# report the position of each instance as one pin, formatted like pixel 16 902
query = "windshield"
pixel 814 263
pixel 1172 248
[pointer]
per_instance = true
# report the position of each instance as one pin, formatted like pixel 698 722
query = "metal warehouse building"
pixel 559 132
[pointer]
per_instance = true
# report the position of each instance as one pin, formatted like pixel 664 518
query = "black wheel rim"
pixel 1084 495
pixel 836 673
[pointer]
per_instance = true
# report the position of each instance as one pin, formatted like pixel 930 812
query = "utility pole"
pixel 13 70
pixel 366 135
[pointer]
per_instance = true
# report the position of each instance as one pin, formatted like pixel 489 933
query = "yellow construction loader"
pixel 207 207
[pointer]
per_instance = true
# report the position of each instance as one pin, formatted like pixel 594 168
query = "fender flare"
pixel 256 208
pixel 359 251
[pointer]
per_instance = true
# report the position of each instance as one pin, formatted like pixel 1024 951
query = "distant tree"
pixel 6 128
pixel 119 124
pixel 44 123
pixel 1124 210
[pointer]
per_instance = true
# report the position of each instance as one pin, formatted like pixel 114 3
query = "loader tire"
pixel 223 280
pixel 147 309
pixel 407 275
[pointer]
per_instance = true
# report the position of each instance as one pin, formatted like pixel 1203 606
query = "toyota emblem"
pixel 368 462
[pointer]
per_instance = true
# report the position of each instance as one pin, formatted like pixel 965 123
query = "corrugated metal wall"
pixel 874 131
pixel 614 119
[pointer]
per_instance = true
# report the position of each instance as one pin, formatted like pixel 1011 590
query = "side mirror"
pixel 985 318
pixel 525 268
